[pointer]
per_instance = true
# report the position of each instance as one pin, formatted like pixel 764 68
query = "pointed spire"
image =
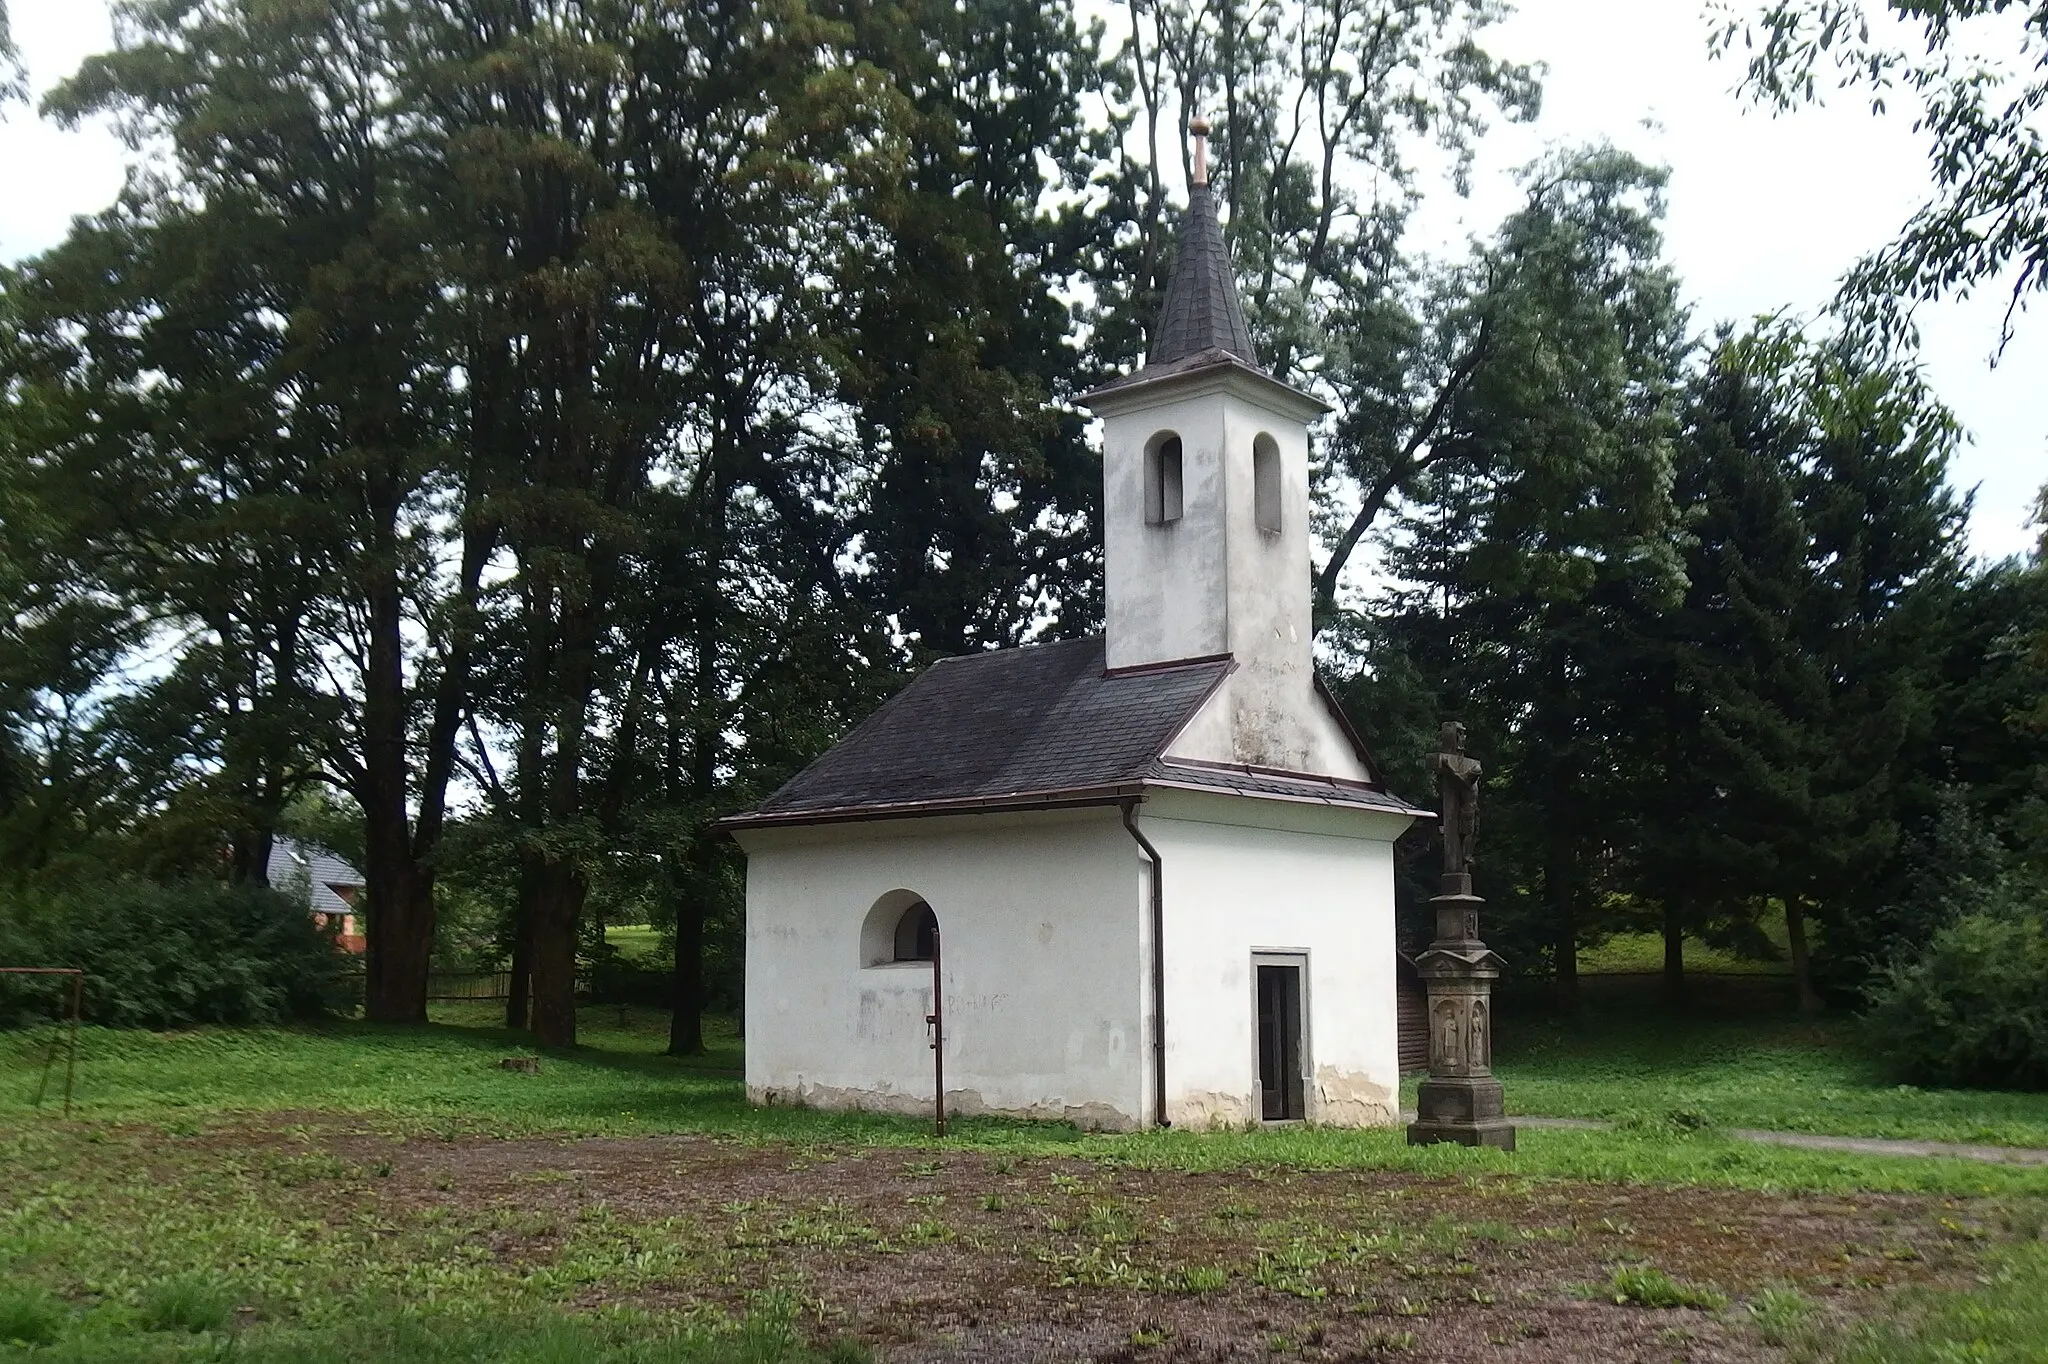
pixel 1202 311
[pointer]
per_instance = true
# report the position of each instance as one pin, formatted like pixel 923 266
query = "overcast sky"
pixel 1765 213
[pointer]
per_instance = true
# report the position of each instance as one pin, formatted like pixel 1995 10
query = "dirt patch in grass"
pixel 955 1256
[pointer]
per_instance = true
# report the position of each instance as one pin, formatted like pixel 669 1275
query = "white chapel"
pixel 1141 879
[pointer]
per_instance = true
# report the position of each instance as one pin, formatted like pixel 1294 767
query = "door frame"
pixel 1297 957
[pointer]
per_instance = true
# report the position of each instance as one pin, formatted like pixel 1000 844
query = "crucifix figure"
pixel 1457 784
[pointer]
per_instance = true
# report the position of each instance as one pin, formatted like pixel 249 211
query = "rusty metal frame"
pixel 71 1050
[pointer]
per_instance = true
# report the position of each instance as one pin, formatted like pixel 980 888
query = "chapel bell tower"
pixel 1205 504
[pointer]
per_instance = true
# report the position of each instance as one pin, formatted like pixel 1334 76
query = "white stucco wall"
pixel 1039 917
pixel 1046 945
pixel 1215 581
pixel 1246 876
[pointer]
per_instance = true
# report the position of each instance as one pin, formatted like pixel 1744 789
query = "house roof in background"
pixel 291 859
pixel 1041 725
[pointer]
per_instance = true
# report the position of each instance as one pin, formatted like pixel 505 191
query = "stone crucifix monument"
pixel 1460 1101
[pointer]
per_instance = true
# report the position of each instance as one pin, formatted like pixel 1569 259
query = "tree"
pixel 1979 110
pixel 13 80
pixel 1323 112
pixel 1523 560
pixel 1700 839
pixel 977 529
pixel 1824 554
pixel 286 144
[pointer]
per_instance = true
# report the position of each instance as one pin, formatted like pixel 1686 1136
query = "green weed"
pixel 29 1316
pixel 1779 1313
pixel 1648 1286
pixel 189 1302
pixel 2003 1320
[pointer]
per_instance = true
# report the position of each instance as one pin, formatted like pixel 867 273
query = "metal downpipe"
pixel 1159 1117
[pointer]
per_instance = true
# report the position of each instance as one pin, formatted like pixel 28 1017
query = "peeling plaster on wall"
pixel 1211 1110
pixel 960 1103
pixel 1301 736
pixel 1347 1099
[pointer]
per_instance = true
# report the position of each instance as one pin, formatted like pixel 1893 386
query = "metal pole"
pixel 938 1022
pixel 49 1059
pixel 71 1058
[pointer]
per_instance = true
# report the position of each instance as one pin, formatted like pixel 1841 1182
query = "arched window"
pixel 1266 482
pixel 900 927
pixel 1162 479
pixel 917 933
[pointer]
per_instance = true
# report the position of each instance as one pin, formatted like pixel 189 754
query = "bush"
pixel 168 955
pixel 1971 1008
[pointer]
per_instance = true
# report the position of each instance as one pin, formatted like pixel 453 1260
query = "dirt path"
pixel 946 1257
pixel 1815 1141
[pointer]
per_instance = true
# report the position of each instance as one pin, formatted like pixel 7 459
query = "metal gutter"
pixel 1073 798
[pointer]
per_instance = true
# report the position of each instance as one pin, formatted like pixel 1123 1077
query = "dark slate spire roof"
pixel 1202 311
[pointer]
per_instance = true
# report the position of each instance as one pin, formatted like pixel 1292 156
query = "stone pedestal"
pixel 1461 1100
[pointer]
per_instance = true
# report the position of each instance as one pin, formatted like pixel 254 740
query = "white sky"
pixel 1765 213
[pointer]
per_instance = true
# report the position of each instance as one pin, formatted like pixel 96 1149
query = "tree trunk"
pixel 555 904
pixel 1802 955
pixel 519 995
pixel 1562 911
pixel 1674 951
pixel 686 1024
pixel 249 857
pixel 400 889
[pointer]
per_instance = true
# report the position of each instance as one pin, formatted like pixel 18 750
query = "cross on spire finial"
pixel 1200 128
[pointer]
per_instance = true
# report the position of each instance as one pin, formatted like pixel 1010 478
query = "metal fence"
pixel 608 985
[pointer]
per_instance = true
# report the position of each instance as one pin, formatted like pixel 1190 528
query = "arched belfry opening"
pixel 900 928
pixel 1266 483
pixel 1163 479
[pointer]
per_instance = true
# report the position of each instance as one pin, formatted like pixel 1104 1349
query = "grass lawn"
pixel 351 1193
pixel 639 944
pixel 1644 1064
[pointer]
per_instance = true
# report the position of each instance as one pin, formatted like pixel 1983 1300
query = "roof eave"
pixel 1145 386
pixel 1069 799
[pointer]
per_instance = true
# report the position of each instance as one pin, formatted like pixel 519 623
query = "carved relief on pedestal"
pixel 1446 1036
pixel 1478 1042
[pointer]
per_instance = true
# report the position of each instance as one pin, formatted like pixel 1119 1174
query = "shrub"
pixel 168 955
pixel 1971 1008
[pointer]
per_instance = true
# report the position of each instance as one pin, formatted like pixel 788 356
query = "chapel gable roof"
pixel 1018 727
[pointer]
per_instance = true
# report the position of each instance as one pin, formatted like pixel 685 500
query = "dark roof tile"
pixel 1202 311
pixel 1017 722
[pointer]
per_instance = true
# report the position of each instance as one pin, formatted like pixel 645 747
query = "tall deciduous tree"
pixel 285 140
pixel 1977 72
pixel 976 530
pixel 1325 114
pixel 1528 557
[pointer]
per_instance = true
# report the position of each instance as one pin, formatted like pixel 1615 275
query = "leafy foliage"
pixel 1979 103
pixel 1971 1006
pixel 168 955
